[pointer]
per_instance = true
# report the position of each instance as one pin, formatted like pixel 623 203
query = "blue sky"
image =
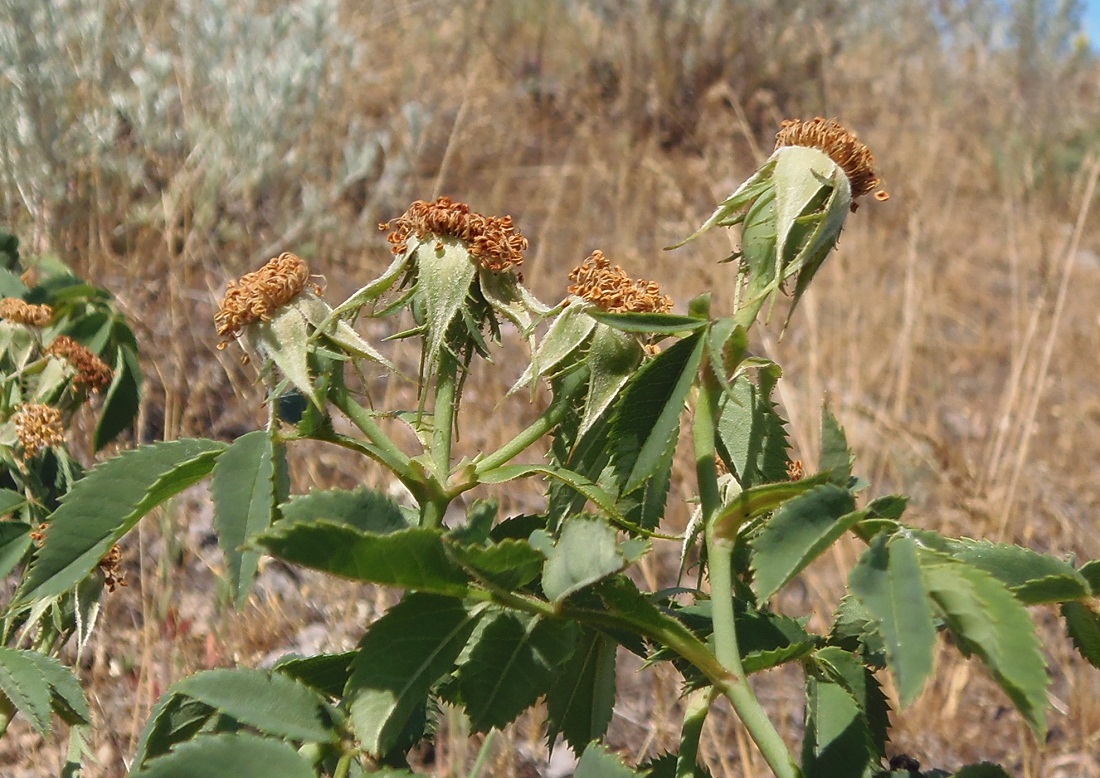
pixel 1092 21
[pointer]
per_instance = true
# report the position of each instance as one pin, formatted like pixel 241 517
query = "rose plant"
pixel 500 612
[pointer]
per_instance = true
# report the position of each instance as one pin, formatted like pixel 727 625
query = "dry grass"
pixel 955 333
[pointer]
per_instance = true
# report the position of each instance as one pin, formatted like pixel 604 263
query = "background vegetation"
pixel 164 148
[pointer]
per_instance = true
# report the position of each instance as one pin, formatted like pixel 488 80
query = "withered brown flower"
pixel 609 287
pixel 842 146
pixel 21 312
pixel 492 240
pixel 91 371
pixel 111 566
pixel 38 427
pixel 257 295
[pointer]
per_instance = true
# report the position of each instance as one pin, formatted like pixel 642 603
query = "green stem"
pixel 541 427
pixel 443 421
pixel 382 447
pixel 698 706
pixel 343 767
pixel 483 754
pixel 7 713
pixel 719 554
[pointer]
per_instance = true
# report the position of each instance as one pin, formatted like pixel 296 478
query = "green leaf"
pixel 836 457
pixel 586 552
pixel 410 559
pixel 756 501
pixel 647 416
pixel 837 741
pixel 767 640
pixel 509 564
pixel 272 703
pixel 752 436
pixel 888 583
pixel 327 673
pixel 120 406
pixel 174 719
pixel 400 658
pixel 797 533
pixel 987 620
pixel 648 323
pixel 23 683
pixel 510 665
pixel 665 765
pixel 1033 577
pixel 1083 627
pixel 580 703
pixel 15 542
pixel 66 695
pixel 596 762
pixel 982 770
pixel 364 509
pixel 245 492
pixel 844 668
pixel 228 756
pixel 1090 571
pixel 10 501
pixel 105 504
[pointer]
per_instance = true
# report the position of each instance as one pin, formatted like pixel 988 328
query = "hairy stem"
pixel 443 422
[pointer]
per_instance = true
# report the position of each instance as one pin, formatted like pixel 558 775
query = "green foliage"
pixel 227 756
pixel 249 482
pixel 498 612
pixel 106 504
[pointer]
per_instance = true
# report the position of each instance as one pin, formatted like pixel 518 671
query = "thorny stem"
pixel 719 553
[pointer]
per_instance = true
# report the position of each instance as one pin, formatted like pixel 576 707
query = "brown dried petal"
pixel 842 146
pixel 613 290
pixel 492 240
pixel 259 294
pixel 91 371
pixel 38 427
pixel 21 312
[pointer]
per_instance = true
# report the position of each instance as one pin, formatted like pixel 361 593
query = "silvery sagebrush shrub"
pixel 62 344
pixel 142 110
pixel 499 612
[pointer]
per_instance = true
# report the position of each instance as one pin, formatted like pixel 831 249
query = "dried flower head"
pixel 21 312
pixel 613 290
pixel 111 565
pixel 842 146
pixel 91 371
pixel 259 294
pixel 38 427
pixel 492 240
